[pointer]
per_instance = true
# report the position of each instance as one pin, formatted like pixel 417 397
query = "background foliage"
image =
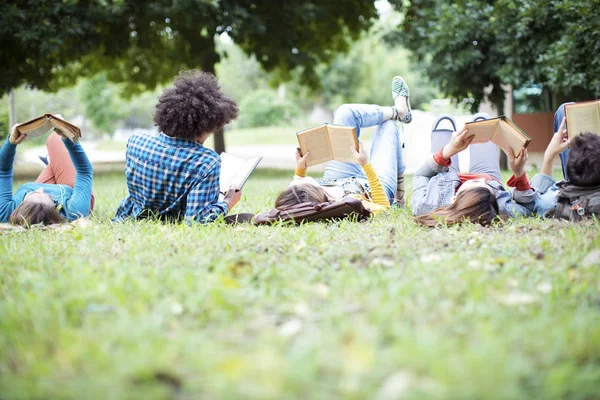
pixel 467 45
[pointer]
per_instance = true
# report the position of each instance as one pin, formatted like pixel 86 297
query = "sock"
pixel 401 104
pixel 388 113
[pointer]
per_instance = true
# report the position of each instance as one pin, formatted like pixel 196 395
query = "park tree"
pixel 48 44
pixel 466 46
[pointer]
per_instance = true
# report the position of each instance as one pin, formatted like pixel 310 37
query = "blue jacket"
pixel 72 202
pixel 435 185
pixel 547 189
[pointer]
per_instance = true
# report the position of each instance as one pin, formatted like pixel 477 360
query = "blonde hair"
pixel 302 193
pixel 477 205
pixel 29 213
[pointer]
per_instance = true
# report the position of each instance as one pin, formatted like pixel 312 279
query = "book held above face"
pixel 583 117
pixel 502 132
pixel 328 142
pixel 41 125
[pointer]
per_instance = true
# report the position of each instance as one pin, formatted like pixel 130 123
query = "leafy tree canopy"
pixel 466 45
pixel 48 44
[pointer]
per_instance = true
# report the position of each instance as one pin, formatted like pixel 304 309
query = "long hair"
pixel 477 205
pixel 302 193
pixel 29 213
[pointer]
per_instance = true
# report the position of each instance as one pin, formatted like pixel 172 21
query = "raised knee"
pixel 344 112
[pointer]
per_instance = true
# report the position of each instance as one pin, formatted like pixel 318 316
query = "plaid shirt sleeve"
pixel 203 203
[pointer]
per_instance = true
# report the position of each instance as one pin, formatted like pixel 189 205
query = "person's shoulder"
pixel 205 156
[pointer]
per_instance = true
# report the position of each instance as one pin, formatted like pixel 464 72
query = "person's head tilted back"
pixel 477 205
pixel 583 165
pixel 194 108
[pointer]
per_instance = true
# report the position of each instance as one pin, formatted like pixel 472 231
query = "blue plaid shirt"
pixel 171 177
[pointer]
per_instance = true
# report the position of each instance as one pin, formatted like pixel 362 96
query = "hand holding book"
pixel 517 162
pixel 16 137
pixel 458 142
pixel 232 196
pixel 301 158
pixel 362 156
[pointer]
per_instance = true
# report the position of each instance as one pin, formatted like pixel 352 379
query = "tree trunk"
pixel 208 65
pixel 12 118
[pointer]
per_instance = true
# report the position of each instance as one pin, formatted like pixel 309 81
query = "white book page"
pixel 508 138
pixel 342 138
pixel 231 168
pixel 315 140
pixel 483 130
pixel 583 118
pixel 36 128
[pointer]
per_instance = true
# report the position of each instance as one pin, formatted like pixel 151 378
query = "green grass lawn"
pixel 376 310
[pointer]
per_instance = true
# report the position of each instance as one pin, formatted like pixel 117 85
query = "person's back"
pixel 162 171
pixel 172 175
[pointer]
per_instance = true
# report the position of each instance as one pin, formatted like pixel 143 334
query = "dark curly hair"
pixel 194 108
pixel 584 159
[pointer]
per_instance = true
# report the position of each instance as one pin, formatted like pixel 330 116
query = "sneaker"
pixel 447 117
pixel 44 159
pixel 400 88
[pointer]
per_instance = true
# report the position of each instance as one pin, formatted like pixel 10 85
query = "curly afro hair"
pixel 584 160
pixel 194 108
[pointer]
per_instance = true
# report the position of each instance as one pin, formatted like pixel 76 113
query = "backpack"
pixel 348 207
pixel 574 203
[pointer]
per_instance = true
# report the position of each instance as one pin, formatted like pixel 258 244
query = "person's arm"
pixel 301 167
pixel 557 145
pixel 7 160
pixel 377 192
pixel 522 193
pixel 437 163
pixel 203 203
pixel 79 203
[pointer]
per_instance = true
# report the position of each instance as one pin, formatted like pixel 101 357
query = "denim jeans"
pixel 386 150
pixel 545 184
pixel 483 156
pixel 564 156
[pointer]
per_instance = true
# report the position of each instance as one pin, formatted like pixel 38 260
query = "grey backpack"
pixel 574 203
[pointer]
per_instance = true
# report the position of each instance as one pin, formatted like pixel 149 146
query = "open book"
pixel 41 125
pixel 583 117
pixel 235 171
pixel 328 142
pixel 502 132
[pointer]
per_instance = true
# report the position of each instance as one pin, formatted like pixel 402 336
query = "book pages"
pixel 341 139
pixel 316 140
pixel 483 130
pixel 41 125
pixel 583 117
pixel 508 138
pixel 235 171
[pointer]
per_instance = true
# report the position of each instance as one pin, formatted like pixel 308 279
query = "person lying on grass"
pixel 376 179
pixel 62 191
pixel 172 176
pixel 442 195
pixel 580 161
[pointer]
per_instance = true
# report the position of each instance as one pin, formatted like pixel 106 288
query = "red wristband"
pixel 521 183
pixel 439 158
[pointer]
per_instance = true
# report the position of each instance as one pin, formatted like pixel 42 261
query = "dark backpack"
pixel 348 207
pixel 574 203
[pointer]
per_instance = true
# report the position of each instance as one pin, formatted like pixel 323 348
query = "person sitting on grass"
pixel 62 191
pixel 580 161
pixel 376 179
pixel 172 176
pixel 444 196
